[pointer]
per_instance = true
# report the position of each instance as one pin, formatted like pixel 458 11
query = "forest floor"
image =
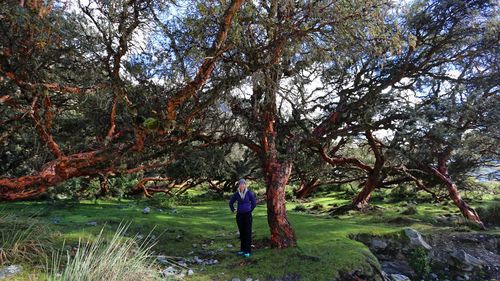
pixel 207 229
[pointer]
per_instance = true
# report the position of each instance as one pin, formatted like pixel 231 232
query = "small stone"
pixel 162 260
pixel 377 244
pixel 399 277
pixel 56 220
pixel 169 271
pixel 249 279
pixel 92 223
pixel 229 245
pixel 146 210
pixel 10 270
pixel 194 245
pixel 190 272
pixel 235 279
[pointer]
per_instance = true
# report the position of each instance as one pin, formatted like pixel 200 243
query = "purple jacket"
pixel 246 204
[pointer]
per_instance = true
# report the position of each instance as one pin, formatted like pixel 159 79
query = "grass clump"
pixel 118 258
pixel 23 240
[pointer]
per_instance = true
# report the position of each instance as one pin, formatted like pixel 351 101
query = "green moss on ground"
pixel 324 245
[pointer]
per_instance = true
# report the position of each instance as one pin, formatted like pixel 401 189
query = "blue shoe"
pixel 240 253
pixel 246 255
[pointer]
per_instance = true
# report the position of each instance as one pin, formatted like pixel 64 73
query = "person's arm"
pixel 231 202
pixel 253 201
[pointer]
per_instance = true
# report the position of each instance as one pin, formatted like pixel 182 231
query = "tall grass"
pixel 23 240
pixel 118 258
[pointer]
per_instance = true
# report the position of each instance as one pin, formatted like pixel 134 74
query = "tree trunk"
pixel 442 174
pixel 361 200
pixel 307 188
pixel 104 186
pixel 277 175
pixel 374 176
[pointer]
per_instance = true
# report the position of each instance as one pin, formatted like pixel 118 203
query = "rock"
pixel 397 267
pixel 190 272
pixel 146 210
pixel 10 270
pixel 178 237
pixel 229 245
pixel 198 260
pixel 235 279
pixel 249 279
pixel 92 223
pixel 433 276
pixel 377 244
pixel 56 220
pixel 194 245
pixel 169 271
pixel 204 245
pixel 465 261
pixel 416 238
pixel 162 260
pixel 399 277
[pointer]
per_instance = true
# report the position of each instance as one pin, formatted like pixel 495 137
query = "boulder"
pixel 416 239
pixel 464 261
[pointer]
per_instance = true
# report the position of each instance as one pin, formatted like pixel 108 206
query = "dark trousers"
pixel 244 221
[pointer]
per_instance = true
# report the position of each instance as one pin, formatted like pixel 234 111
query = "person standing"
pixel 246 204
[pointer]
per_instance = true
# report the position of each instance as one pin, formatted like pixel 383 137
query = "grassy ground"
pixel 324 245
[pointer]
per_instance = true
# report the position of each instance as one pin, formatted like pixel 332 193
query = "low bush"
pixel 490 214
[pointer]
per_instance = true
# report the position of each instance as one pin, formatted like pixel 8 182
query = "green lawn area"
pixel 320 236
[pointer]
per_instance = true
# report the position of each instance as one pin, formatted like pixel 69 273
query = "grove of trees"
pixel 178 93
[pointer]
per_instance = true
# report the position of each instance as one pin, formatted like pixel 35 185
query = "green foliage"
pixel 151 123
pixel 419 260
pixel 490 214
pixel 162 200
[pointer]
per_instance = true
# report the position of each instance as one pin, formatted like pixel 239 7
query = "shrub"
pixel 162 200
pixel 490 214
pixel 419 261
pixel 300 208
pixel 411 210
pixel 119 258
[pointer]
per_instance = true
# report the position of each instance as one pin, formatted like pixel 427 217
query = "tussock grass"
pixel 117 258
pixel 23 240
